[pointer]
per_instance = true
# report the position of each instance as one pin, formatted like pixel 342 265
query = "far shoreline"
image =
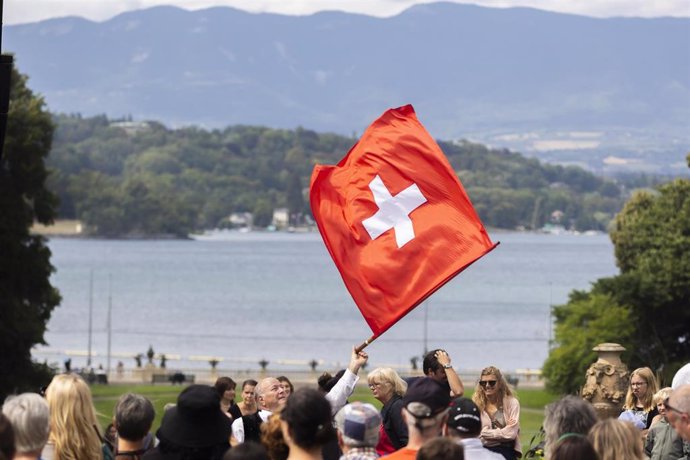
pixel 74 229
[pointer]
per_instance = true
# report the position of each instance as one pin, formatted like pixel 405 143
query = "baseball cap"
pixel 425 398
pixel 359 423
pixel 464 416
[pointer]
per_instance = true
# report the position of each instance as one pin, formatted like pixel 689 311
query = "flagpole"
pixel 426 324
pixel 88 359
pixel 109 320
pixel 364 344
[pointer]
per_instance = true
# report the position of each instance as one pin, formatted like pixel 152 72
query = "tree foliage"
pixel 651 237
pixel 142 178
pixel 587 320
pixel 652 240
pixel 26 294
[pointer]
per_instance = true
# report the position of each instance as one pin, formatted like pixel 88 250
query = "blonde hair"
pixel 502 387
pixel 388 375
pixel 661 395
pixel 73 423
pixel 614 439
pixel 647 375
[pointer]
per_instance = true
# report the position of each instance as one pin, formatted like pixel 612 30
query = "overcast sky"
pixel 20 11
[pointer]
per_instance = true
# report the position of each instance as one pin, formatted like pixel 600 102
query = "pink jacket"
pixel 494 436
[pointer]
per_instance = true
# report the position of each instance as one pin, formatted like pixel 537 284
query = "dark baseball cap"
pixel 464 416
pixel 425 398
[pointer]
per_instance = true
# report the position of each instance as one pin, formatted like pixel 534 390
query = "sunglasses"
pixel 490 383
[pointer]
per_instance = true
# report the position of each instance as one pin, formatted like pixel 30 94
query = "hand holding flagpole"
pixel 364 344
pixel 357 360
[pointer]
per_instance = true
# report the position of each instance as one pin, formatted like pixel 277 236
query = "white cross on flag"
pixel 395 218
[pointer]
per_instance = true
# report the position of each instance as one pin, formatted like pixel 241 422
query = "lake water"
pixel 279 297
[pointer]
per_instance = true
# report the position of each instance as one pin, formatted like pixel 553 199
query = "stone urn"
pixel 606 381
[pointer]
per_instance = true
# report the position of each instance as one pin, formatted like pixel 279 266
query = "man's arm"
pixel 346 385
pixel 456 387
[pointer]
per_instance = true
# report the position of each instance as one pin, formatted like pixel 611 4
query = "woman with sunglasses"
pixel 639 402
pixel 500 412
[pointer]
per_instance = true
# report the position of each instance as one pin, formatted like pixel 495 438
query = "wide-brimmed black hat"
pixel 196 420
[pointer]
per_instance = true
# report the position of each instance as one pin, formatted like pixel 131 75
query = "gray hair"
pixel 570 414
pixel 30 418
pixel 680 398
pixel 134 415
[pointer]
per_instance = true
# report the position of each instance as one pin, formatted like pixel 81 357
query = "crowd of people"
pixel 426 418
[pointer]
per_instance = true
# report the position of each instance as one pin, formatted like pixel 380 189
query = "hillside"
pixel 596 92
pixel 125 178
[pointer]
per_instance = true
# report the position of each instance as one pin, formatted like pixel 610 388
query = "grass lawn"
pixel 532 402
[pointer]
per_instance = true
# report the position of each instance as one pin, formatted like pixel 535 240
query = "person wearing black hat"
pixel 425 411
pixel 464 425
pixel 195 429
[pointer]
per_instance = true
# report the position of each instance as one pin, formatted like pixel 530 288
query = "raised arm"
pixel 456 386
pixel 346 385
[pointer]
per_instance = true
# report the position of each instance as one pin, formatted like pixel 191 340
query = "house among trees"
pixel 241 220
pixel 281 218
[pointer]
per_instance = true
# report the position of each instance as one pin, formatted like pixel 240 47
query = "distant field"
pixel 105 396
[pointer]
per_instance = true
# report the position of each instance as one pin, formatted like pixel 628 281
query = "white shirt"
pixel 337 397
pixel 474 450
pixel 238 425
pixel 341 391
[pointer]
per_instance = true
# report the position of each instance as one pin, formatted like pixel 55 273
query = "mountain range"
pixel 606 93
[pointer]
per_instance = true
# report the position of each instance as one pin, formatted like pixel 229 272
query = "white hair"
pixel 30 418
pixel 682 377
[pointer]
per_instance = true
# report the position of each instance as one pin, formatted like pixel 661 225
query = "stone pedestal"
pixel 148 371
pixel 606 381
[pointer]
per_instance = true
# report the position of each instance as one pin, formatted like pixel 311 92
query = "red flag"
pixel 395 218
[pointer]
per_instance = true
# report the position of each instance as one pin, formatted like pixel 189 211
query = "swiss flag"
pixel 395 218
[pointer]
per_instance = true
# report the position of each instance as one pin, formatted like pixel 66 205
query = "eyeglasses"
pixel 374 385
pixel 484 383
pixel 671 408
pixel 637 384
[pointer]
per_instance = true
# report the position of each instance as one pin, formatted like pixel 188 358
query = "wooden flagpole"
pixel 364 344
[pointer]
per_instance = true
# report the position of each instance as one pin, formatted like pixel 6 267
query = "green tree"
pixel 295 199
pixel 651 237
pixel 27 298
pixel 585 321
pixel 263 213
